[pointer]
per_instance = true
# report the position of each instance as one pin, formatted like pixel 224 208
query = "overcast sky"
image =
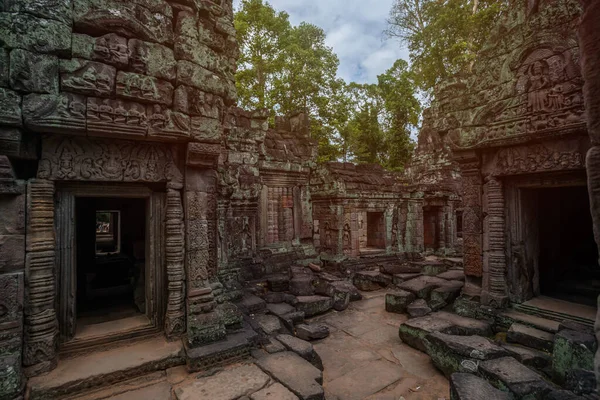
pixel 355 31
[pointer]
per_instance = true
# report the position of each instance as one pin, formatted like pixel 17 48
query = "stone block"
pixel 403 277
pixel 11 374
pixel 442 296
pixel 152 59
pixel 11 300
pixel 34 73
pixel 234 348
pixel 371 280
pixel 12 252
pixel 186 24
pixel 17 143
pixel 12 217
pixel 529 357
pixel 269 324
pixel 203 329
pixel 581 381
pixel 314 305
pixel 195 102
pixel 451 353
pixel 508 374
pixel 303 348
pixel 191 49
pixel 87 77
pixel 108 49
pixel 280 309
pixel 144 88
pixel 10 108
pixel 151 22
pixel 274 392
pixel 422 286
pixel 252 304
pixel 58 10
pixel 418 308
pixel 274 346
pixel 55 113
pixel 397 301
pixel 190 74
pixel 107 117
pixel 207 35
pixel 312 331
pixel 4 68
pixel 278 283
pixel 168 125
pixel 572 350
pixel 344 286
pixel 530 337
pixel 38 35
pixel 230 315
pixel 465 386
pixel 452 275
pixel 207 129
pixel 295 373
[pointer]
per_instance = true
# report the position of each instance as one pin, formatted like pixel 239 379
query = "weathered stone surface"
pixel 58 113
pixel 108 49
pixel 572 350
pixel 252 304
pixel 10 108
pixel 195 102
pixel 400 269
pixel 418 308
pixel 191 49
pixel 302 286
pixel 452 353
pixel 303 348
pixel 452 275
pixel 108 117
pixel 530 337
pixel 442 296
pixel 403 277
pixel 508 374
pixel 397 301
pixel 236 347
pixel 280 309
pixel 12 248
pixel 87 77
pixel 314 305
pixel 226 385
pixel 206 129
pixel 59 10
pixel 422 286
pixel 4 68
pixel 431 268
pixel 274 346
pixel 268 323
pixel 274 392
pixel 152 59
pixel 371 280
pixel 144 88
pixel 465 386
pixel 194 75
pixel 295 373
pixel 529 357
pixel 312 331
pixel 34 73
pixel 130 19
pixel 581 381
pixel 39 35
pixel 165 124
pixel 279 283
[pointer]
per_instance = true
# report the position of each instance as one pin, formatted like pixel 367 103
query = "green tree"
pixel 443 36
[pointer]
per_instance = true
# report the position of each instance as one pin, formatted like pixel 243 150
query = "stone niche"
pixel 517 130
pixel 120 106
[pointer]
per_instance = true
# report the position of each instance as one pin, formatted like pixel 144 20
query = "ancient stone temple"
pixel 517 129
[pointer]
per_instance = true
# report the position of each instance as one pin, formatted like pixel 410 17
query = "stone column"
pixel 203 323
pixel 494 256
pixel 589 43
pixel 41 324
pixel 441 223
pixel 175 254
pixel 472 226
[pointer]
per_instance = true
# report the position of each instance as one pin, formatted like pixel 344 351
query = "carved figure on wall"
pixel 538 83
pixel 347 236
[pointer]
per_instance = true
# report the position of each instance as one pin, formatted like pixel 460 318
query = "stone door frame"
pixel 66 195
pixel 517 233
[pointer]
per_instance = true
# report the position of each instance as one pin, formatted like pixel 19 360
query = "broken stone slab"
pixel 269 324
pixel 280 309
pixel 302 285
pixel 234 348
pixel 274 346
pixel 347 286
pixel 418 308
pixel 465 386
pixel 274 392
pixel 251 304
pixel 453 275
pixel 451 353
pixel 430 268
pixel 423 285
pixel 369 281
pixel 529 357
pixel 572 350
pixel 280 297
pixel 295 373
pixel 508 374
pixel 225 385
pixel 397 301
pixel 445 295
pixel 312 331
pixel 303 348
pixel 314 305
pixel 323 281
pixel 530 337
pixel 397 279
pixel 413 331
pixel 395 269
pixel 278 283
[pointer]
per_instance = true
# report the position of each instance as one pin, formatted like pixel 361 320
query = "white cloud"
pixel 354 30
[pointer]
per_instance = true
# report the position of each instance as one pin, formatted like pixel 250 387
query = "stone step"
pixel 510 374
pixel 418 308
pixel 511 316
pixel 314 305
pixel 552 315
pixel 398 300
pixel 369 281
pixel 423 286
pixel 530 337
pixel 529 357
pixel 465 386
pixel 145 387
pixel 104 368
pixel 252 304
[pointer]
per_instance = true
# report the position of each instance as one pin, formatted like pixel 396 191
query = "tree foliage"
pixel 443 36
pixel 287 68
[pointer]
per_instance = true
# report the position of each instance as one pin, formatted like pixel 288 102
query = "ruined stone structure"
pixel 517 129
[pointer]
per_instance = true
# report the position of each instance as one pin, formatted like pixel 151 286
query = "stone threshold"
pixel 106 367
pixel 559 310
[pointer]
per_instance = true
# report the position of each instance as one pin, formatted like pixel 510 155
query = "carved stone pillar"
pixel 41 324
pixel 175 253
pixel 494 256
pixel 441 222
pixel 472 226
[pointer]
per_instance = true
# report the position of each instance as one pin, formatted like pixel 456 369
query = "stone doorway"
pixel 430 228
pixel 375 231
pixel 567 267
pixel 110 263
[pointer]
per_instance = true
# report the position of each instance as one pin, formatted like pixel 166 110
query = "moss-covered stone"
pixel 152 59
pixel 397 301
pixel 205 329
pixel 572 350
pixel 4 68
pixel 39 35
pixel 36 73
pixel 58 10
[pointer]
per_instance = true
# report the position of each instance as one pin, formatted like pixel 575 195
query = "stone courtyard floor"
pixel 365 359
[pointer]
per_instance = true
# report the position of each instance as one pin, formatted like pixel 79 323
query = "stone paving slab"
pixel 470 387
pixel 274 392
pixel 229 384
pixel 367 380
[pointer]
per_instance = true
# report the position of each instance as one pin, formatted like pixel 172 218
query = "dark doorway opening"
pixel 430 228
pixel 459 224
pixel 111 252
pixel 568 255
pixel 375 230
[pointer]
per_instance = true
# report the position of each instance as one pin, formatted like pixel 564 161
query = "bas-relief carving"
pixel 175 257
pixel 242 236
pixel 72 158
pixel 116 116
pixel 61 113
pixel 537 158
pixel 87 77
